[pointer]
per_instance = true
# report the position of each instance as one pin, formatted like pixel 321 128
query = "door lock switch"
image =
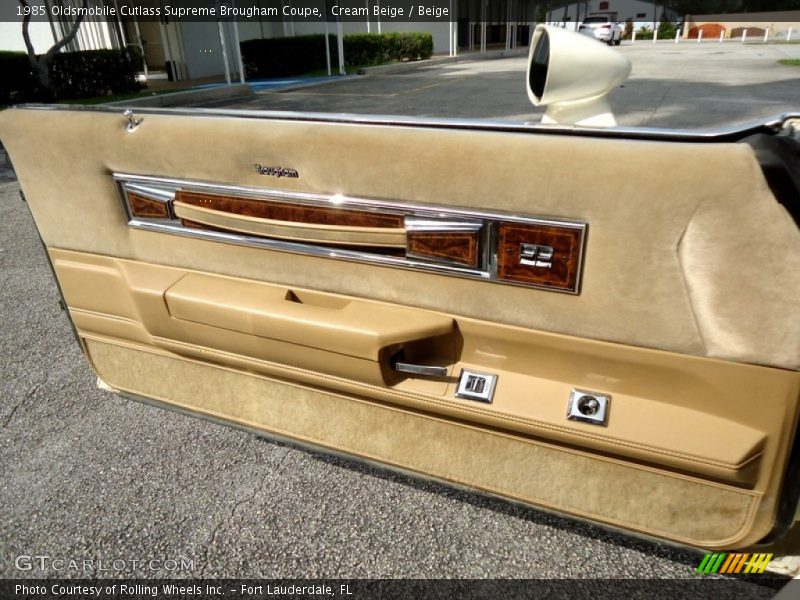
pixel 589 407
pixel 476 386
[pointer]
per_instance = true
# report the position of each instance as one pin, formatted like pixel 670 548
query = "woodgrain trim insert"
pixel 460 248
pixel 282 211
pixel 147 207
pixel 566 244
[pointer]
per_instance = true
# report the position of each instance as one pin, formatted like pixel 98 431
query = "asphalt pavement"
pixel 87 475
pixel 688 85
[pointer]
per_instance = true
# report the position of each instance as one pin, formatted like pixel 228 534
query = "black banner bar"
pixel 764 586
pixel 300 11
pixel 390 11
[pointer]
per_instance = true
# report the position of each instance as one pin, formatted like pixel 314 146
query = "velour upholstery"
pixel 687 249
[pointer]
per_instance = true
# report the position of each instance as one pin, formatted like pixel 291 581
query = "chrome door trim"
pixel 175 228
pixel 150 192
pixel 770 125
pixel 466 218
pixel 421 224
pixel 457 213
pixel 418 224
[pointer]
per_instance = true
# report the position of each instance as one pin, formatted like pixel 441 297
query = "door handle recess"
pixel 428 239
pixel 389 237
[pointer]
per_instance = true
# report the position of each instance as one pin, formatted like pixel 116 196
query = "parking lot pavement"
pixel 87 475
pixel 686 85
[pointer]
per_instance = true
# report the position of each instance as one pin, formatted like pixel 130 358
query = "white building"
pixel 643 13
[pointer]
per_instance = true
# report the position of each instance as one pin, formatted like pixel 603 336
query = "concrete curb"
pixel 189 97
pixel 441 60
pixel 304 84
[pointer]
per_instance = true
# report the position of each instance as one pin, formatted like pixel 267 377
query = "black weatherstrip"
pixel 779 157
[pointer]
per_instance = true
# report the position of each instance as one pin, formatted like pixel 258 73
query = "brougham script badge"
pixel 277 171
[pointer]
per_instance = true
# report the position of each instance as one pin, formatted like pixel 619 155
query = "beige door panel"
pixel 696 354
pixel 681 413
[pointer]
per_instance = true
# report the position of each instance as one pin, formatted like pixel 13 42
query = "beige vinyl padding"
pixel 687 249
pixel 724 426
pixel 338 325
pixel 388 237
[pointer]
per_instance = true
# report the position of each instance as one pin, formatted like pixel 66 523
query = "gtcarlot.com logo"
pixel 45 563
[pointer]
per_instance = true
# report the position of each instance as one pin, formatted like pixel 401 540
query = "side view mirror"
pixel 572 74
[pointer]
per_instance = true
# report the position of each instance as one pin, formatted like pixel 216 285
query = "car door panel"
pixel 293 325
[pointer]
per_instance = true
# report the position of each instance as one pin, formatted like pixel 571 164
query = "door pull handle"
pixel 424 370
pixel 427 370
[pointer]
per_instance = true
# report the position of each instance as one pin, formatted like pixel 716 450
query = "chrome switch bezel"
pixel 486 395
pixel 599 418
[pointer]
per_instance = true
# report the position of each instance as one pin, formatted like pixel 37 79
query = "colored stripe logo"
pixel 724 563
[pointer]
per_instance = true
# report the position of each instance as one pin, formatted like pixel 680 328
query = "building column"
pixel 327 45
pixel 483 25
pixel 224 52
pixel 340 46
pixel 140 44
pixel 450 30
pixel 238 52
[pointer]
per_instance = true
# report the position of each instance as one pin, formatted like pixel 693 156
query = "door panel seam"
pixel 684 283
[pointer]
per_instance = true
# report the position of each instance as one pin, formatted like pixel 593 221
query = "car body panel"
pixel 602 26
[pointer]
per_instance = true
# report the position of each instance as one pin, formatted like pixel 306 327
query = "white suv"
pixel 602 26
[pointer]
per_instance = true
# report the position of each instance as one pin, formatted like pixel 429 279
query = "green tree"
pixel 41 63
pixel 666 29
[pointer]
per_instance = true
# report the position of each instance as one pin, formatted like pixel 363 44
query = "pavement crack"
pixel 29 394
pixel 256 490
pixel 658 106
pixel 286 453
pixel 211 541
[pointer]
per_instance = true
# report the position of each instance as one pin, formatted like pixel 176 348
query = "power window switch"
pixel 476 386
